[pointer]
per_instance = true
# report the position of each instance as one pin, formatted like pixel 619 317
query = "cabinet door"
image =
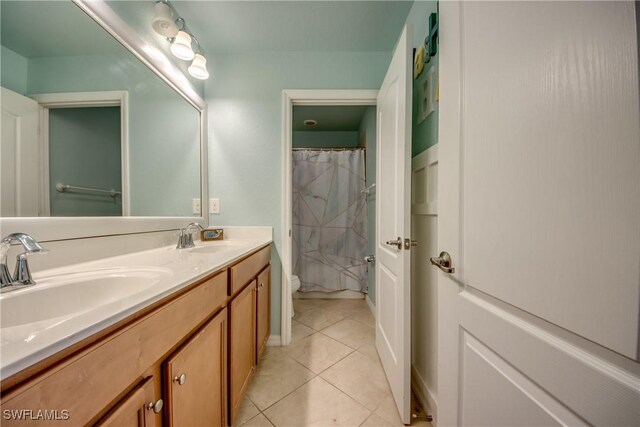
pixel 242 344
pixel 136 409
pixel 195 377
pixel 264 310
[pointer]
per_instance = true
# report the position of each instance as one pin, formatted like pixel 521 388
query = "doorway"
pixel 99 187
pixel 297 99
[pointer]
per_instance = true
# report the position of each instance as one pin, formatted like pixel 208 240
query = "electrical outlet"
pixel 214 206
pixel 197 207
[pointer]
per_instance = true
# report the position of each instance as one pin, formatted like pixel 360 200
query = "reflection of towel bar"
pixel 369 189
pixel 66 187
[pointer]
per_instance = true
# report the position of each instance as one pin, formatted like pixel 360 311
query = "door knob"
pixel 155 407
pixel 443 262
pixel 180 379
pixel 397 243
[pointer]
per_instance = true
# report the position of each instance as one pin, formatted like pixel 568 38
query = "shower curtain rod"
pixel 328 149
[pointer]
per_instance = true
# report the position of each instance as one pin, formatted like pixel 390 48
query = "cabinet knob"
pixel 180 379
pixel 261 285
pixel 155 407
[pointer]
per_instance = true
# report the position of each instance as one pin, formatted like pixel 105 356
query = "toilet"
pixel 295 285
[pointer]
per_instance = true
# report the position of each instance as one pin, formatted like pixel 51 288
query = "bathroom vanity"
pixel 179 353
pixel 121 327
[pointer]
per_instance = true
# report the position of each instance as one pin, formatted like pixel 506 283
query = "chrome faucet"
pixel 185 239
pixel 22 274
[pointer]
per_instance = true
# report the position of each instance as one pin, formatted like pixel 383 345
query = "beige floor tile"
pixel 389 412
pixel 301 306
pixel 258 421
pixel 319 318
pixel 346 307
pixel 271 350
pixel 370 351
pixel 351 333
pixel 317 403
pixel 275 377
pixel 375 421
pixel 318 352
pixel 361 378
pixel 364 316
pixel 246 411
pixel 299 331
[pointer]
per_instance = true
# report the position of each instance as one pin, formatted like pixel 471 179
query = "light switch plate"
pixel 197 207
pixel 214 206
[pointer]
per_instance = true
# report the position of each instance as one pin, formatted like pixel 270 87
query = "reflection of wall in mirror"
pixel 84 150
pixel 164 129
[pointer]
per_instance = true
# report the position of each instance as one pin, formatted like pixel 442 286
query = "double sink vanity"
pixel 110 161
pixel 165 336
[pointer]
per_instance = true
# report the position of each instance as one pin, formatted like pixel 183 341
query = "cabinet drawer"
pixel 247 269
pixel 90 382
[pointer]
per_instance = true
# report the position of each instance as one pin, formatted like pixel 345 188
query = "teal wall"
pixel 368 126
pixel 13 71
pixel 425 134
pixel 84 150
pixel 324 139
pixel 245 130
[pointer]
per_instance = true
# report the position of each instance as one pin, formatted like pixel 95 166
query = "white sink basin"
pixel 56 298
pixel 216 247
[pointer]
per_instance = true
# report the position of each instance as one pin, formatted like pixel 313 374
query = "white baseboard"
pixel 274 341
pixel 372 307
pixel 424 395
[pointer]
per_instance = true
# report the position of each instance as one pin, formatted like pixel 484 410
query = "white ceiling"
pixel 36 29
pixel 318 26
pixel 59 28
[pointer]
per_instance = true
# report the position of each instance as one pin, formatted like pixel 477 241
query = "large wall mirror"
pixel 90 128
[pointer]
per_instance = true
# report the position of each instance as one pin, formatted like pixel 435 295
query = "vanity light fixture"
pixel 176 33
pixel 198 67
pixel 181 46
pixel 163 22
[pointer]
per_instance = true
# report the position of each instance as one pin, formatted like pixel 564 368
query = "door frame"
pixel 48 101
pixel 291 97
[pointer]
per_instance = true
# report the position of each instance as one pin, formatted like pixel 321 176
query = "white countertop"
pixel 23 345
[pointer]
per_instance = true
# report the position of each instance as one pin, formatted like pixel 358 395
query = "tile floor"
pixel 330 375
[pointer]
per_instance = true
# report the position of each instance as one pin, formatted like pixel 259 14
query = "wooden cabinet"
pixel 263 311
pixel 196 380
pixel 212 331
pixel 247 269
pixel 242 345
pixel 136 409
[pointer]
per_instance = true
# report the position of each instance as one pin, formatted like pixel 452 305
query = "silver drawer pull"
pixel 443 262
pixel 155 407
pixel 180 379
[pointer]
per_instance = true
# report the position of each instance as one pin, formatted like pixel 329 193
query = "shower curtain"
pixel 329 220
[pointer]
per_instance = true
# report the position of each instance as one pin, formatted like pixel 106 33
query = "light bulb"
pixel 198 67
pixel 162 22
pixel 181 46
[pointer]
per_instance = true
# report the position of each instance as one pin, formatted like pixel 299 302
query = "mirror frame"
pixel 62 228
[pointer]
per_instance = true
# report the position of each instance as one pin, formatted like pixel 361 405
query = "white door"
pixel 393 223
pixel 19 155
pixel 539 199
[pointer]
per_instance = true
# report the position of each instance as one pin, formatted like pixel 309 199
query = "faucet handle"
pixel 22 274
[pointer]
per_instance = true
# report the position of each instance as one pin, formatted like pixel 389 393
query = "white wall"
pixel 424 294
